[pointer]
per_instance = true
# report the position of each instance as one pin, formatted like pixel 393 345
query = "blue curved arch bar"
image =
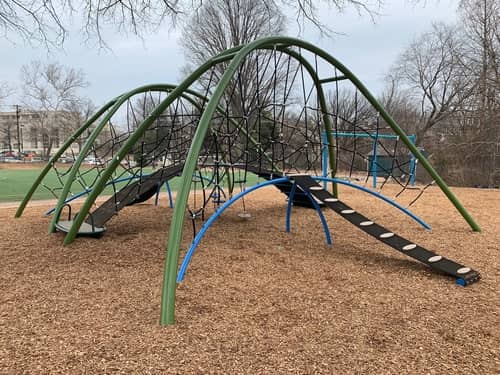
pixel 157 197
pixel 169 191
pixel 316 207
pixel 218 212
pixel 213 217
pixel 377 195
pixel 321 217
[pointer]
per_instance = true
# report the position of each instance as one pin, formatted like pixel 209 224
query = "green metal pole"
pixel 167 313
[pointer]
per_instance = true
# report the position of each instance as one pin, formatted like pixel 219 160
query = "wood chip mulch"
pixel 256 300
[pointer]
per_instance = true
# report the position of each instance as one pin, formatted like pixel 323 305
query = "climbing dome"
pixel 277 111
pixel 152 157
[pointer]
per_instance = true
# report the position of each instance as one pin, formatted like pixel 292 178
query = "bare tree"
pixel 431 72
pixel 453 75
pixel 76 113
pixel 481 22
pixel 5 91
pixel 221 24
pixel 51 91
pixel 47 21
pixel 6 127
pixel 402 108
pixel 351 111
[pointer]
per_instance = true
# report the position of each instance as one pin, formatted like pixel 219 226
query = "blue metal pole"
pixel 167 186
pixel 157 196
pixel 289 207
pixel 170 200
pixel 364 135
pixel 321 217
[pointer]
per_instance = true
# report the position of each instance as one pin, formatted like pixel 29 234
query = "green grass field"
pixel 15 183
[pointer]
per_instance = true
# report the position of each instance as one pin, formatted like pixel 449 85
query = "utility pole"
pixel 9 138
pixel 18 110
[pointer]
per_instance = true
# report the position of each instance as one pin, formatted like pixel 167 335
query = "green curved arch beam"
pixel 167 314
pixel 90 141
pixel 79 131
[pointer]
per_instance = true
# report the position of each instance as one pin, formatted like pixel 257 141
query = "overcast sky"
pixel 367 48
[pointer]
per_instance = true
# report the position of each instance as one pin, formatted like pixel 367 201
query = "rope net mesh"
pixel 163 145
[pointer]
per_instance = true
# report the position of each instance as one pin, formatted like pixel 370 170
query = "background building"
pixel 37 132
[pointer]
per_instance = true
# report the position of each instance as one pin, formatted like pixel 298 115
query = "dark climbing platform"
pixel 464 275
pixel 299 198
pixel 137 192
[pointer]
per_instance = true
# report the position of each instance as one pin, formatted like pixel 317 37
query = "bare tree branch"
pixel 5 91
pixel 51 91
pixel 453 73
pixel 47 22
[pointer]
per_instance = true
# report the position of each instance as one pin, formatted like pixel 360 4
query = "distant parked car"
pixel 92 160
pixel 66 160
pixel 7 154
pixel 11 159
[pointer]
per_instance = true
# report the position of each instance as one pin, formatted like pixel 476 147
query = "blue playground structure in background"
pixel 376 163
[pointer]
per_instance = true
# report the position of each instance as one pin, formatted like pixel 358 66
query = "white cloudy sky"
pixel 367 48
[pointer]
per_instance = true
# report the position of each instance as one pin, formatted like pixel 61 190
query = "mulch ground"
pixel 256 300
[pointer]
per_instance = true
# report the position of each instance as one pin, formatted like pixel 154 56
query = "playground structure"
pixel 390 166
pixel 257 111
